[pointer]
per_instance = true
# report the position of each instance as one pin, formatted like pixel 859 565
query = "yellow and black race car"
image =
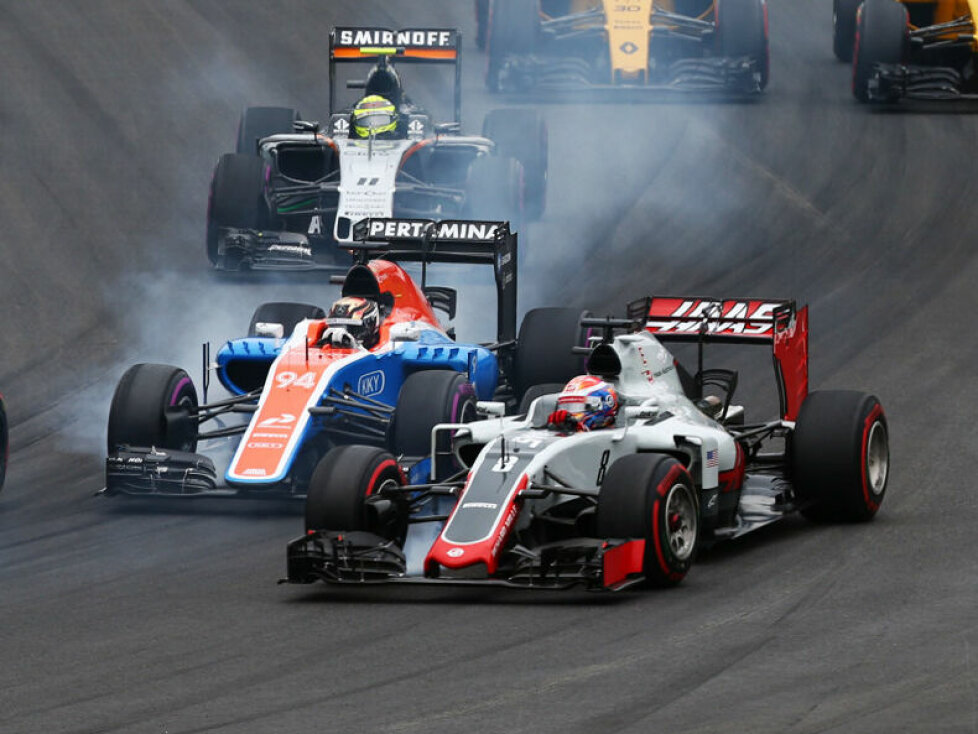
pixel 690 45
pixel 924 49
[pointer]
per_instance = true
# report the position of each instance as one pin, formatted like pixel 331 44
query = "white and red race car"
pixel 538 506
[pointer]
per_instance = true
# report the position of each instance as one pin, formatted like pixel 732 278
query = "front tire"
pixel 514 29
pixel 840 456
pixel 340 485
pixel 882 37
pixel 741 30
pixel 426 399
pixel 237 199
pixel 652 497
pixel 844 28
pixel 154 405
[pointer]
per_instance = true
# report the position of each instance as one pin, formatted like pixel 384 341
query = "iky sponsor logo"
pixel 371 383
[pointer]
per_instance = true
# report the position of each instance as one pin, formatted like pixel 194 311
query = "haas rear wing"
pixel 409 45
pixel 447 241
pixel 739 321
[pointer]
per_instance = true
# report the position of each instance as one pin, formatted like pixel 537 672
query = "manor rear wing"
pixel 447 241
pixel 408 45
pixel 738 321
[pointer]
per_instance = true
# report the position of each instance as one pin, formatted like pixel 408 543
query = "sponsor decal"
pixel 341 126
pixel 315 225
pixel 371 383
pixel 265 434
pixel 281 420
pixel 480 505
pixel 628 48
pixel 264 445
pixel 504 530
pixel 414 229
pixel 418 38
pixel 255 472
pixel 292 249
pixel 689 317
pixel 455 553
pixel 416 127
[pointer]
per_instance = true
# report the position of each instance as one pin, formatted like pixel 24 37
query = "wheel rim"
pixel 680 521
pixel 877 458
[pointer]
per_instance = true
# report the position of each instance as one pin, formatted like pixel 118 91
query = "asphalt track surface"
pixel 122 617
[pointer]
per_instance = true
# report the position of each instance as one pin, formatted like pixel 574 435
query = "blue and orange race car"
pixel 307 381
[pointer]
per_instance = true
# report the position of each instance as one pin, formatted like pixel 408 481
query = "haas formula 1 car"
pixel 923 49
pixel 293 190
pixel 693 45
pixel 541 506
pixel 304 383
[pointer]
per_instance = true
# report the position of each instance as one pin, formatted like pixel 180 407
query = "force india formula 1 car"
pixel 292 190
pixel 305 388
pixel 923 49
pixel 538 507
pixel 693 45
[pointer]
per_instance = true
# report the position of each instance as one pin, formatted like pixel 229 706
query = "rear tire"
pixel 340 485
pixel 236 200
pixel 535 392
pixel 426 399
pixel 522 134
pixel 260 122
pixel 286 314
pixel 844 28
pixel 840 455
pixel 154 406
pixel 741 30
pixel 882 37
pixel 544 348
pixel 652 497
pixel 514 29
pixel 494 191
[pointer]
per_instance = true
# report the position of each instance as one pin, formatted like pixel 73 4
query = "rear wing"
pixel 447 241
pixel 409 45
pixel 738 321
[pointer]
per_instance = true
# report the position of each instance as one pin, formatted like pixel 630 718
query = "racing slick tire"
pixel 534 392
pixel 494 191
pixel 741 30
pixel 236 199
pixel 427 398
pixel 844 28
pixel 4 441
pixel 342 481
pixel 522 134
pixel 544 348
pixel 260 122
pixel 514 28
pixel 286 314
pixel 154 405
pixel 882 37
pixel 840 456
pixel 651 497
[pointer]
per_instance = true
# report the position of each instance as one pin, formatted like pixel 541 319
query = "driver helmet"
pixel 360 317
pixel 590 402
pixel 373 115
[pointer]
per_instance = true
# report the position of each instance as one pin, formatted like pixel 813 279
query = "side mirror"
pixel 490 409
pixel 405 332
pixel 266 328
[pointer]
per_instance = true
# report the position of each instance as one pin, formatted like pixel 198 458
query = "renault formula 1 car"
pixel 923 49
pixel 304 384
pixel 540 507
pixel 693 45
pixel 293 190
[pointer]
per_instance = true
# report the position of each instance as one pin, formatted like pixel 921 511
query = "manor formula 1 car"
pixel 303 383
pixel 923 49
pixel 542 507
pixel 293 190
pixel 692 45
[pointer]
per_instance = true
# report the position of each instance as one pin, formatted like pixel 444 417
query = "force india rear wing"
pixel 738 321
pixel 447 241
pixel 409 45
